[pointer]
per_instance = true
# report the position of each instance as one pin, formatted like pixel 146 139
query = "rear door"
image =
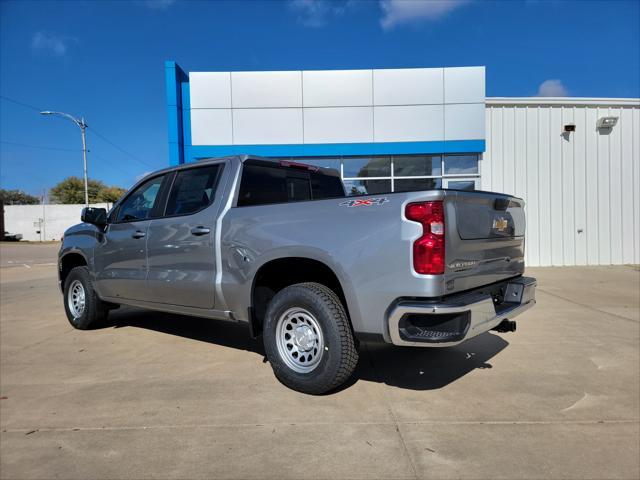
pixel 484 238
pixel 181 244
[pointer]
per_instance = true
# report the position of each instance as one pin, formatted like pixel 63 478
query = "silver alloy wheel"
pixel 299 340
pixel 76 298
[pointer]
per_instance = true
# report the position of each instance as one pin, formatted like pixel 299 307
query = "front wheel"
pixel 81 303
pixel 308 339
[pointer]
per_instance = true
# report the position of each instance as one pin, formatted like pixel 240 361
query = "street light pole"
pixel 83 126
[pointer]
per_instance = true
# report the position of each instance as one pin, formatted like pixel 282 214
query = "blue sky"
pixel 105 60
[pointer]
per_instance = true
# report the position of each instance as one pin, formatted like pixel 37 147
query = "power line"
pixel 40 147
pixel 111 164
pixel 98 134
pixel 22 104
pixel 121 149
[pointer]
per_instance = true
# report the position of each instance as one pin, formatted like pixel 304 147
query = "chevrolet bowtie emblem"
pixel 500 224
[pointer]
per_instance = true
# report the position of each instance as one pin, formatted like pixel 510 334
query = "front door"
pixel 181 244
pixel 121 254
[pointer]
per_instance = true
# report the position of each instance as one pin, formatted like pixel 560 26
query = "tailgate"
pixel 484 238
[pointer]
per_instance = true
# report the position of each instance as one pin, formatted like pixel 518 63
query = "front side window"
pixel 192 190
pixel 139 204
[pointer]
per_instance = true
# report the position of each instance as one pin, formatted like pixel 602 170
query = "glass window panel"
pixel 367 166
pixel 460 164
pixel 192 190
pixel 326 186
pixel 298 189
pixel 262 185
pixel 139 204
pixel 366 187
pixel 322 162
pixel 461 184
pixel 417 165
pixel 415 185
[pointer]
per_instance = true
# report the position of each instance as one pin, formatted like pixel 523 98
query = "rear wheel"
pixel 308 339
pixel 81 303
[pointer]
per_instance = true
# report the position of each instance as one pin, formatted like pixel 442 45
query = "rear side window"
pixel 192 190
pixel 262 185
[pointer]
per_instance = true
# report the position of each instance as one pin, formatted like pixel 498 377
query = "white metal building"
pixel 582 188
pixel 389 130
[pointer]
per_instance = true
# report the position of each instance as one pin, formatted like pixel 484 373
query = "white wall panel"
pixel 464 121
pixel 336 88
pixel 408 123
pixel 464 85
pixel 627 189
pixel 532 193
pixel 266 89
pixel 580 184
pixel 211 127
pixel 253 126
pixel 412 86
pixel 210 89
pixel 581 188
pixel 338 125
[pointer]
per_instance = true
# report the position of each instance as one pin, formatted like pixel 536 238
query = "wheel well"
pixel 68 263
pixel 277 274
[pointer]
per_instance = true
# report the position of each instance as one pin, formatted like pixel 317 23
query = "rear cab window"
pixel 266 182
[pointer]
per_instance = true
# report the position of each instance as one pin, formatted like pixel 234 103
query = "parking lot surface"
pixel 154 395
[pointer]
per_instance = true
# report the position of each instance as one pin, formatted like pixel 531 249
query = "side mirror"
pixel 95 216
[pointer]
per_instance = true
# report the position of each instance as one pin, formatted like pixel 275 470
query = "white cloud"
pixel 49 43
pixel 317 13
pixel 397 12
pixel 552 88
pixel 159 4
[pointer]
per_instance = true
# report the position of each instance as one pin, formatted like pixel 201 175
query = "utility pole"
pixel 44 215
pixel 83 126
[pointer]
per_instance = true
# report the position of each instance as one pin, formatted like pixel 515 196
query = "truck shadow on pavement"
pixel 412 368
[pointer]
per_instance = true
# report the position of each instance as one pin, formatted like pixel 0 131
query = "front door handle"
pixel 199 230
pixel 138 234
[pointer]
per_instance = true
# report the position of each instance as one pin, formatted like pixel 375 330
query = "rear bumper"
pixel 459 317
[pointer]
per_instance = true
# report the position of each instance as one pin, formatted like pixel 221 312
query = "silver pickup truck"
pixel 279 246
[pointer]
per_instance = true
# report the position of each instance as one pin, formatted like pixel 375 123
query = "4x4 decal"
pixel 367 202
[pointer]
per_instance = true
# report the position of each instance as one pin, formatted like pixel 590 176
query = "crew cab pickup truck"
pixel 279 246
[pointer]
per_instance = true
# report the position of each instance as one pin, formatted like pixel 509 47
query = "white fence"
pixel 38 223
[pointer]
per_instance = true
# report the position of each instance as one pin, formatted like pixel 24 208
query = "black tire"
pixel 95 311
pixel 339 355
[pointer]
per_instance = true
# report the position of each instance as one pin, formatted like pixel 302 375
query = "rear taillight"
pixel 428 250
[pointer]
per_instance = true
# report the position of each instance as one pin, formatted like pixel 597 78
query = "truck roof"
pixel 252 158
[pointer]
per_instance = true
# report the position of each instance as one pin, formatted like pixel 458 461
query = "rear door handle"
pixel 138 234
pixel 199 230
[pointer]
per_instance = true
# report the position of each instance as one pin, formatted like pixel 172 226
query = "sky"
pixel 104 60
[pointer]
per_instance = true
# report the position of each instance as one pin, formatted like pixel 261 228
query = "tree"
pixel 111 194
pixel 71 190
pixel 17 197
